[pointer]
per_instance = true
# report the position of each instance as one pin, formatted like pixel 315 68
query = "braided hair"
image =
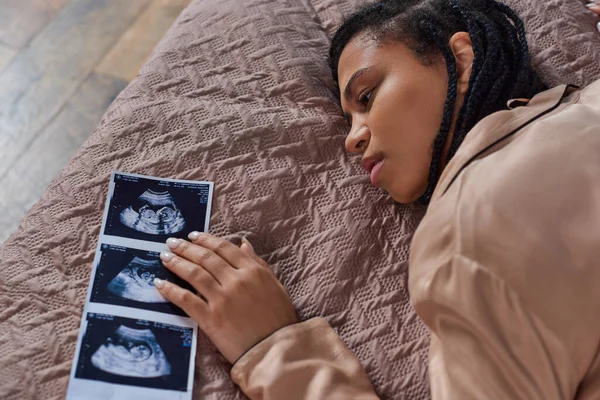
pixel 501 67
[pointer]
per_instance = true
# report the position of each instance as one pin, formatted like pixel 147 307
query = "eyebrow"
pixel 353 78
pixel 348 89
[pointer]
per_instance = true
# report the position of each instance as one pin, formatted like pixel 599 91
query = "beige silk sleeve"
pixel 486 343
pixel 304 361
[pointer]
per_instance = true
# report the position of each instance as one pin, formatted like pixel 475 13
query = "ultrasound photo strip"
pixel 133 343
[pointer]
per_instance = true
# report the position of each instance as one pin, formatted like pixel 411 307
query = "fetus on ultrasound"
pixel 155 214
pixel 135 281
pixel 132 352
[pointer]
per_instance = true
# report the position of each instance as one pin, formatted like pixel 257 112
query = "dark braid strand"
pixel 442 136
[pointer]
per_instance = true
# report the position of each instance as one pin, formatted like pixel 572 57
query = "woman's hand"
pixel 240 301
pixel 594 6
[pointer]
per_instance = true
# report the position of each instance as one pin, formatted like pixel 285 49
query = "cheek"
pixel 408 122
pixel 409 114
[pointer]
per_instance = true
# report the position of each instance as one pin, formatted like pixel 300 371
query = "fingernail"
pixel 592 5
pixel 598 26
pixel 166 256
pixel 194 235
pixel 159 283
pixel 247 243
pixel 173 243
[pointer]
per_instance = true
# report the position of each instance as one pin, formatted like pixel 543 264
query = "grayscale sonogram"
pixel 135 281
pixel 153 209
pixel 132 352
pixel 125 277
pixel 158 215
pixel 135 352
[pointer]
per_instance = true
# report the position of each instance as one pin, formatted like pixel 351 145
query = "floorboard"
pixel 54 147
pixel 129 54
pixel 62 62
pixel 21 20
pixel 39 81
pixel 6 55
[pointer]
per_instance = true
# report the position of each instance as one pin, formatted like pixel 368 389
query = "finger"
pixel 203 281
pixel 229 252
pixel 249 249
pixel 247 246
pixel 594 7
pixel 193 305
pixel 204 257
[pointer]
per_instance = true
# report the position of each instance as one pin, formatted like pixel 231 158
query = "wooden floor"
pixel 62 62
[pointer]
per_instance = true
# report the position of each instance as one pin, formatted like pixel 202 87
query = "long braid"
pixel 478 44
pixel 494 69
pixel 442 136
pixel 482 99
pixel 501 67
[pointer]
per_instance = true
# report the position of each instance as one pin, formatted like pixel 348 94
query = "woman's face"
pixel 394 104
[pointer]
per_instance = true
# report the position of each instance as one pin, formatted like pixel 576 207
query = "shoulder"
pixel 547 165
pixel 523 219
pixel 527 215
pixel 533 197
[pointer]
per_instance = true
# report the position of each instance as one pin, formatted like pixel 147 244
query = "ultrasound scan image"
pixel 135 352
pixel 157 215
pixel 132 352
pixel 153 210
pixel 135 281
pixel 124 276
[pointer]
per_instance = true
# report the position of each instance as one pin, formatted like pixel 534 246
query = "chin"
pixel 404 200
pixel 406 195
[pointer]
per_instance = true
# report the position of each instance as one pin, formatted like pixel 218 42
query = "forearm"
pixel 302 361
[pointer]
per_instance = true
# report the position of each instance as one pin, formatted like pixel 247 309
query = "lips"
pixel 373 166
pixel 375 172
pixel 370 162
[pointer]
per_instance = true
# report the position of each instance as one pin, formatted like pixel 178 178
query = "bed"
pixel 238 92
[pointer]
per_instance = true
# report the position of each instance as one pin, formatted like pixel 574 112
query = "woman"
pixel 503 268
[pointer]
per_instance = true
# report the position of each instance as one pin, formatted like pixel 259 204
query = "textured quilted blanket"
pixel 238 92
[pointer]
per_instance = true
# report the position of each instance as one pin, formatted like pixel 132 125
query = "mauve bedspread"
pixel 238 92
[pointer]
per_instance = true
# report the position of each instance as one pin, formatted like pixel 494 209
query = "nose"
pixel 357 140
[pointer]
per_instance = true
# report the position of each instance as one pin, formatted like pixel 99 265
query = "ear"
pixel 461 46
